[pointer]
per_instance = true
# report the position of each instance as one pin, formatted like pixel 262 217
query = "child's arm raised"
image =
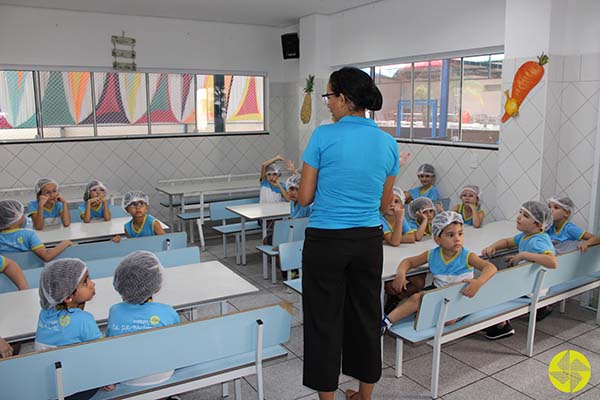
pixel 263 167
pixel 15 274
pixel 545 260
pixel 284 192
pixel 37 216
pixel 49 254
pixel 498 245
pixel 107 214
pixel 395 238
pixel 422 226
pixel 590 240
pixel 65 215
pixel 400 282
pixel 487 271
pixel 477 215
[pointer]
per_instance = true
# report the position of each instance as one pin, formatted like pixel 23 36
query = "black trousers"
pixel 341 288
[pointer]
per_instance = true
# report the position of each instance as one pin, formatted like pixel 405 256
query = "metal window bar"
pixel 462 71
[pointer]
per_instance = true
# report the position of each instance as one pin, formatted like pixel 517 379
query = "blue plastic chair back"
pixel 115 212
pixel 290 255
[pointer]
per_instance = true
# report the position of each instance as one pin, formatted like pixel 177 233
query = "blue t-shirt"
pixel 2 263
pixel 297 211
pixel 62 327
pixel 388 228
pixel 413 226
pixel 51 215
pixel 125 317
pixel 538 243
pixel 461 211
pixel 431 193
pixel 95 213
pixel 449 271
pixel 569 231
pixel 13 240
pixel 353 158
pixel 147 228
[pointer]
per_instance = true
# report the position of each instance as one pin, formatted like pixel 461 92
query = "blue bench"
pixel 202 353
pixel 107 249
pixel 115 212
pixel 508 294
pixel 219 212
pixel 105 267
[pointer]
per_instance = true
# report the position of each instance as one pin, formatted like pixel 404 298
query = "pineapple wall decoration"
pixel 306 110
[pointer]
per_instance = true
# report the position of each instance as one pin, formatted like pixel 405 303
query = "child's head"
pixel 46 187
pixel 470 194
pixel 399 198
pixel 534 217
pixel 138 277
pixel 421 206
pixel 65 283
pixel 447 230
pixel 426 174
pixel 561 207
pixel 293 184
pixel 94 189
pixel 272 172
pixel 135 203
pixel 11 214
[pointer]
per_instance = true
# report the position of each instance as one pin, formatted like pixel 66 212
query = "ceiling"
pixel 277 13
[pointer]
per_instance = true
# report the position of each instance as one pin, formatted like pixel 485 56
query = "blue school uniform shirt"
pixel 51 215
pixel 461 211
pixel 431 193
pixel 147 228
pixel 354 157
pixel 388 228
pixel 95 213
pixel 297 211
pixel 64 327
pixel 13 240
pixel 2 263
pixel 266 185
pixel 569 231
pixel 414 226
pixel 538 243
pixel 449 271
pixel 125 317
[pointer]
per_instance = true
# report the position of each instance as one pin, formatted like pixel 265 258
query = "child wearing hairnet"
pixel 141 224
pixel 534 246
pixel 562 229
pixel 137 278
pixel 420 214
pixel 426 175
pixel 95 203
pixel 449 263
pixel 14 238
pixel 271 190
pixel 469 208
pixel 296 210
pixel 50 207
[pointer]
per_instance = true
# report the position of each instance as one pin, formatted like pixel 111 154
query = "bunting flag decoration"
pixel 160 106
pixel 79 85
pixel 245 101
pixel 55 108
pixel 109 109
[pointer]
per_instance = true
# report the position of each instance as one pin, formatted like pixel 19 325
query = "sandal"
pixel 350 394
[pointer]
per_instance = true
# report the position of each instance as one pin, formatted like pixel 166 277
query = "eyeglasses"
pixel 325 97
pixel 136 204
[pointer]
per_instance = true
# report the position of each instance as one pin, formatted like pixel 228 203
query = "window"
pixel 72 104
pixel 455 99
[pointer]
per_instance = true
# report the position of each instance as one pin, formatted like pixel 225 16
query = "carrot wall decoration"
pixel 528 75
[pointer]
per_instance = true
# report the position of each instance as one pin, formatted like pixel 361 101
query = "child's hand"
pixel 404 157
pixel 109 388
pixel 67 243
pixel 117 239
pixel 488 251
pixel 514 260
pixel 278 157
pixel 439 207
pixel 291 167
pixel 582 247
pixel 6 349
pixel 472 287
pixel 400 282
pixel 59 197
pixel 42 200
pixel 398 210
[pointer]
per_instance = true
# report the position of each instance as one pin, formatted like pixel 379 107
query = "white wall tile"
pixel 572 68
pixel 590 67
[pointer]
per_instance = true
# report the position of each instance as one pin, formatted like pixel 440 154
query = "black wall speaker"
pixel 290 44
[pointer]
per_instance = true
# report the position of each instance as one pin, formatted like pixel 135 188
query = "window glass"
pixel 17 105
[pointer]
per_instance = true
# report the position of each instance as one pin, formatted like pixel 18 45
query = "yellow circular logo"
pixel 569 371
pixel 64 321
pixel 154 320
pixel 20 239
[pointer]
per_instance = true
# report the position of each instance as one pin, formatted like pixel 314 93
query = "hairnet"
pixel 444 219
pixel 273 168
pixel 471 188
pixel 563 202
pixel 419 204
pixel 90 186
pixel 131 197
pixel 138 277
pixel 293 181
pixel 539 212
pixel 400 193
pixel 40 183
pixel 59 279
pixel 426 169
pixel 11 212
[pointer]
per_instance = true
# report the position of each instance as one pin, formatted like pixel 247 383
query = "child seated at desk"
pixel 141 224
pixel 469 208
pixel 426 175
pixel 95 204
pixel 50 207
pixel 296 210
pixel 14 238
pixel 137 278
pixel 420 214
pixel 13 272
pixel 449 263
pixel 65 287
pixel 534 246
pixel 563 230
pixel 271 190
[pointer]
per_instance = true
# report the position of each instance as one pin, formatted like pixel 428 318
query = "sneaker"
pixel 385 324
pixel 543 313
pixel 499 331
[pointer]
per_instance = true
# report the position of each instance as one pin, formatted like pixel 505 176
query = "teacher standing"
pixel 349 171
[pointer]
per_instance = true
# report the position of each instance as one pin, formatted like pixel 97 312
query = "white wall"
pixel 31 36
